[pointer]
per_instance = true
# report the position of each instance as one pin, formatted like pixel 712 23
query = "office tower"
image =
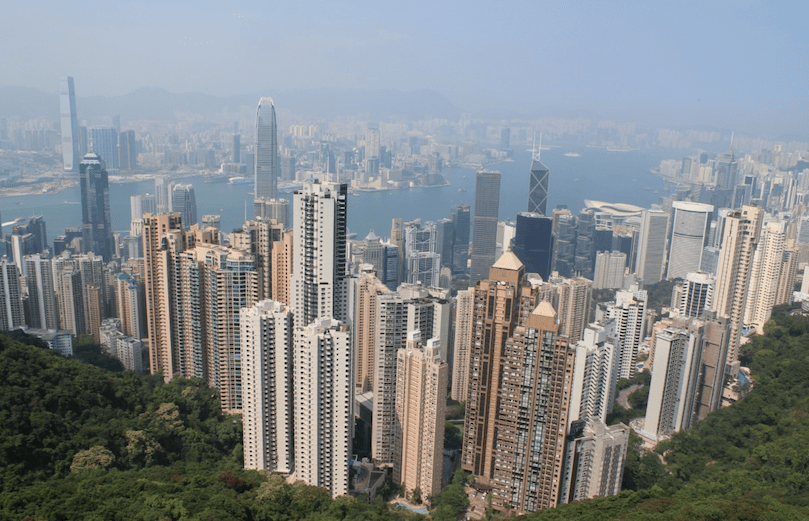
pixel 484 224
pixel 421 397
pixel 267 337
pixel 184 201
pixel 594 460
pixel 372 142
pixel 505 235
pixel 564 244
pixel 368 289
pixel 445 241
pixel 34 233
pixel 695 295
pixel 237 148
pixel 319 283
pixel 104 144
pixel 595 374
pixel 629 312
pixel 538 186
pixel 323 404
pixel 127 150
pixel 742 230
pixel 162 190
pixel 272 209
pixel 96 225
pixel 725 168
pixel 505 138
pixel 585 243
pixel 42 310
pixel 422 263
pixel 139 205
pixel 623 240
pixel 765 276
pixel 70 124
pixel 412 307
pixel 689 235
pixel 12 314
pixel 651 252
pixel 464 316
pixel 460 245
pixel 533 243
pixel 70 299
pixel 532 414
pixel 266 149
pixel 609 271
pixel 497 313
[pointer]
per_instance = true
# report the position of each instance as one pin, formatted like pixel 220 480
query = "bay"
pixel 596 173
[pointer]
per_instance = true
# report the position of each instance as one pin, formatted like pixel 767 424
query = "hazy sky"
pixel 708 60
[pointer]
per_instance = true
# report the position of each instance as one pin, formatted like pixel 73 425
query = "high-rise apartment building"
pixel 42 310
pixel 130 305
pixel 267 336
pixel 594 460
pixel 323 404
pixel 532 413
pixel 765 276
pixel 70 124
pixel 421 397
pixel 464 321
pixel 266 150
pixel 742 229
pixel 629 312
pixel 70 299
pixel 533 243
pixel 96 225
pixel 689 235
pixel 595 374
pixel 484 224
pixel 651 251
pixel 571 298
pixel 319 284
pixel 367 292
pixel 12 315
pixel 694 296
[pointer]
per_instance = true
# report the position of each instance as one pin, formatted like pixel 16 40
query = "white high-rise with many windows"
pixel 267 386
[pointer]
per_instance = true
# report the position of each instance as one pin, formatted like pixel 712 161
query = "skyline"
pixel 726 65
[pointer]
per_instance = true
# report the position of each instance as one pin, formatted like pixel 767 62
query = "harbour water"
pixel 595 173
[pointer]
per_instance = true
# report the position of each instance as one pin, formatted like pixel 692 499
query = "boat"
pixel 576 180
pixel 572 154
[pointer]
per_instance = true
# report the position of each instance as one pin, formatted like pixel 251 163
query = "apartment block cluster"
pixel 335 350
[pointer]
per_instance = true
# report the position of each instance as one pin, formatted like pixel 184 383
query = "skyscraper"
pixel 70 125
pixel 629 312
pixel 533 243
pixel 538 186
pixel 742 229
pixel 104 143
pixel 594 460
pixel 266 149
pixel 421 397
pixel 319 278
pixel 464 321
pixel 11 309
pixel 651 252
pixel 689 235
pixel 460 246
pixel 184 201
pixel 42 310
pixel 484 223
pixel 96 224
pixel 267 348
pixel 324 404
pixel 765 277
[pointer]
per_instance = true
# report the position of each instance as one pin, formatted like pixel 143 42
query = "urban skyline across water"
pixel 595 173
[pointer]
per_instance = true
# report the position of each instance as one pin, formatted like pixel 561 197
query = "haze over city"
pixel 722 65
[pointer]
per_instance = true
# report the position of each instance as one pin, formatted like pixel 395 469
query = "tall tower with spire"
pixel 266 166
pixel 538 186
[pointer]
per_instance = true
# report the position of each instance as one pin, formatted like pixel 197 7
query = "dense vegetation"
pixel 79 442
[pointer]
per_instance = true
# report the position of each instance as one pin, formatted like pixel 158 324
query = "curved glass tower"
pixel 266 171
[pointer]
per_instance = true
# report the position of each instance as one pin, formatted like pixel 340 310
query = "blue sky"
pixel 708 61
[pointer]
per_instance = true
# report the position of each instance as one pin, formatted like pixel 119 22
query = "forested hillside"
pixel 79 442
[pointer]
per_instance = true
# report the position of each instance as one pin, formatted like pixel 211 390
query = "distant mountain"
pixel 159 104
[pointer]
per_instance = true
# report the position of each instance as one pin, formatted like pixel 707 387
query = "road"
pixel 623 396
